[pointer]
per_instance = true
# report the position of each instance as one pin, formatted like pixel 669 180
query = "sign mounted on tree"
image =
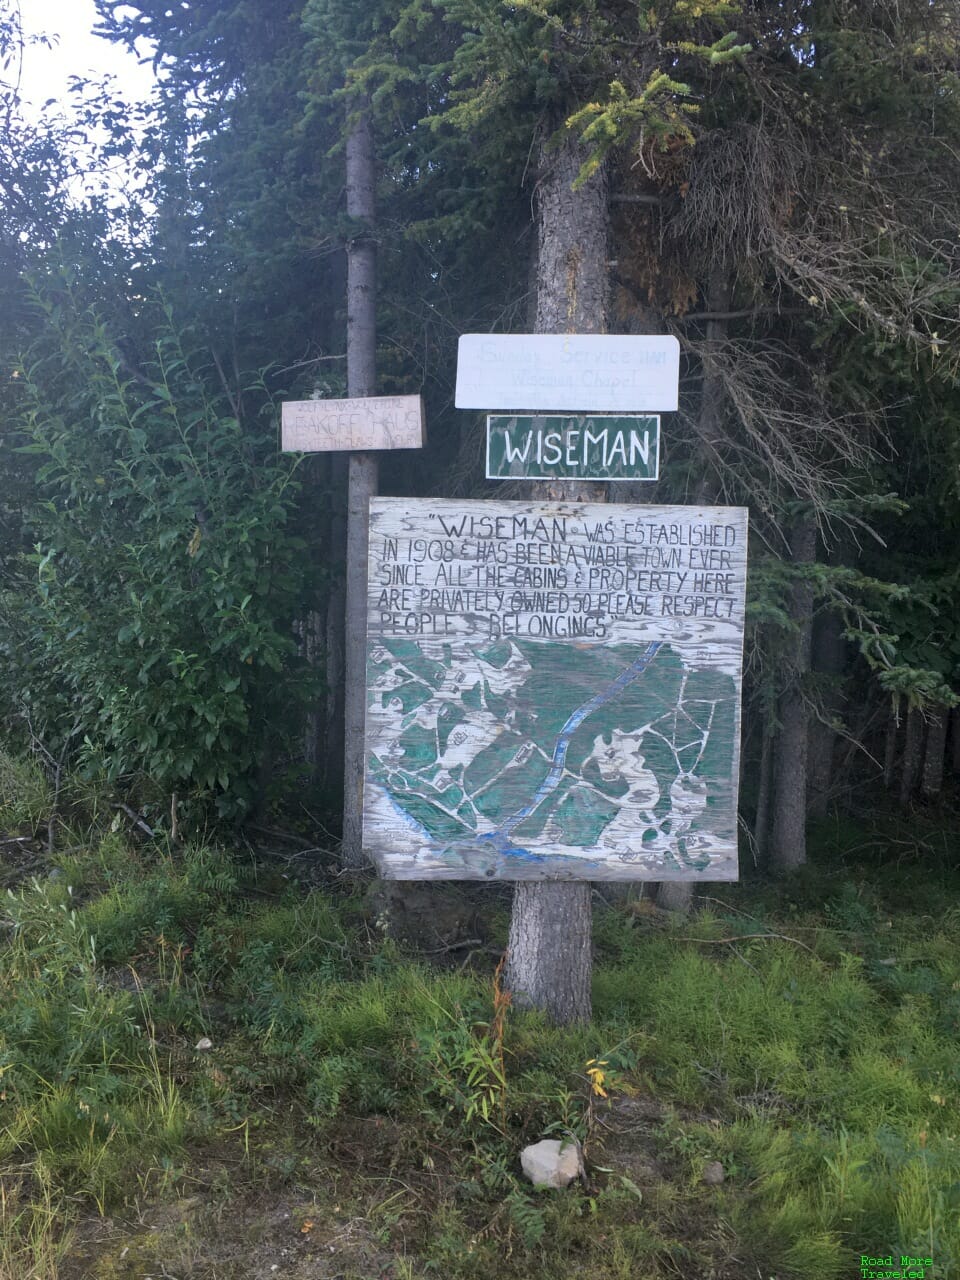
pixel 357 426
pixel 585 447
pixel 597 373
pixel 553 690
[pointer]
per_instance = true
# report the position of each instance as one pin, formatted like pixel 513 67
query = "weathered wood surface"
pixel 364 425
pixel 362 466
pixel 553 690
pixel 597 373
pixel 573 447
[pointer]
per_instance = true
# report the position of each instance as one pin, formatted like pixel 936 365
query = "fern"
pixel 527 1218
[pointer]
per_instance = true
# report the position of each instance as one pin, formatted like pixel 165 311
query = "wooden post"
pixel 362 470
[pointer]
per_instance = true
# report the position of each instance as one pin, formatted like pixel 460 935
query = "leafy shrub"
pixel 153 621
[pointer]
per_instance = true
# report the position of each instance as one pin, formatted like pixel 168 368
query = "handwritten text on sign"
pixel 370 423
pixel 553 690
pixel 597 373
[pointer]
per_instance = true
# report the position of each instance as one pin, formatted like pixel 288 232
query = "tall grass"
pixel 819 1067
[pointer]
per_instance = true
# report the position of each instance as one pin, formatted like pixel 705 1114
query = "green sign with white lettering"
pixel 576 447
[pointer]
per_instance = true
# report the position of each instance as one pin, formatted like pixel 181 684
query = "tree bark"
pixel 828 660
pixel 761 823
pixel 710 417
pixel 788 845
pixel 330 766
pixel 890 745
pixel 933 753
pixel 362 475
pixel 675 895
pixel 955 740
pixel 910 764
pixel 549 949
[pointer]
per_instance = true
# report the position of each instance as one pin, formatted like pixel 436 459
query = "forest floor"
pixel 225 1062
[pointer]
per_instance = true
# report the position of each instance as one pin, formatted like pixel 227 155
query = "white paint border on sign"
pixel 594 373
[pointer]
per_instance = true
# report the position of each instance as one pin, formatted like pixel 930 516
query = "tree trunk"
pixel 890 745
pixel 955 740
pixel 362 474
pixel 549 952
pixel 710 417
pixel 788 846
pixel 549 961
pixel 321 630
pixel 910 764
pixel 761 824
pixel 330 768
pixel 828 660
pixel 933 753
pixel 675 895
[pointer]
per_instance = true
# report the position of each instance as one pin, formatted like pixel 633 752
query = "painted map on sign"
pixel 585 727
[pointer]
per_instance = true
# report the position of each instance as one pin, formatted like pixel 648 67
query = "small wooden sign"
pixel 596 373
pixel 594 447
pixel 553 690
pixel 363 425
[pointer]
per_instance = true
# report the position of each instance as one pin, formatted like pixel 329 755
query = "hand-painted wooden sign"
pixel 585 447
pixel 553 690
pixel 598 373
pixel 362 425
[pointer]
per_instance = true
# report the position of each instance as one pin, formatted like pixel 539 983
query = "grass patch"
pixel 25 795
pixel 196 1031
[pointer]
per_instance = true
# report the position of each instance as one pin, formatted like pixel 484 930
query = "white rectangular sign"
pixel 373 422
pixel 600 373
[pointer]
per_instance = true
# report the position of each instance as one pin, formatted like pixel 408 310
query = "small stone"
pixel 203 1044
pixel 551 1163
pixel 713 1173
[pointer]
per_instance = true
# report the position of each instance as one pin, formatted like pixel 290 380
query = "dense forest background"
pixel 781 189
pixel 224 1055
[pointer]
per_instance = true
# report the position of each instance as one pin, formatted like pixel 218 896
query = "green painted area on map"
pixel 530 740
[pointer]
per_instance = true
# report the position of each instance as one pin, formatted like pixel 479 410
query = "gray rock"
pixel 713 1173
pixel 551 1163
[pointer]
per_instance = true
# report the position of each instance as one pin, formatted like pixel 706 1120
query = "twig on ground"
pixel 742 937
pixel 137 819
pixel 704 897
pixel 453 946
pixel 290 836
pixel 743 959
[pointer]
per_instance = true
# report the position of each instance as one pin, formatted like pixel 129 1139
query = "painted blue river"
pixel 501 837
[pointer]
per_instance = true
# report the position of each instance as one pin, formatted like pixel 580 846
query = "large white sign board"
pixel 370 423
pixel 553 690
pixel 599 373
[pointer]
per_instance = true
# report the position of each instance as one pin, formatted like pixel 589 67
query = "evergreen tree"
pixel 782 188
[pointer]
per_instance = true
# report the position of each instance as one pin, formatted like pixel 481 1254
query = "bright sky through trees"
pixel 74 51
pixel 60 49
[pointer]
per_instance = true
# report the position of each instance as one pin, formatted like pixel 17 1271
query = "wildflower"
pixel 598 1076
